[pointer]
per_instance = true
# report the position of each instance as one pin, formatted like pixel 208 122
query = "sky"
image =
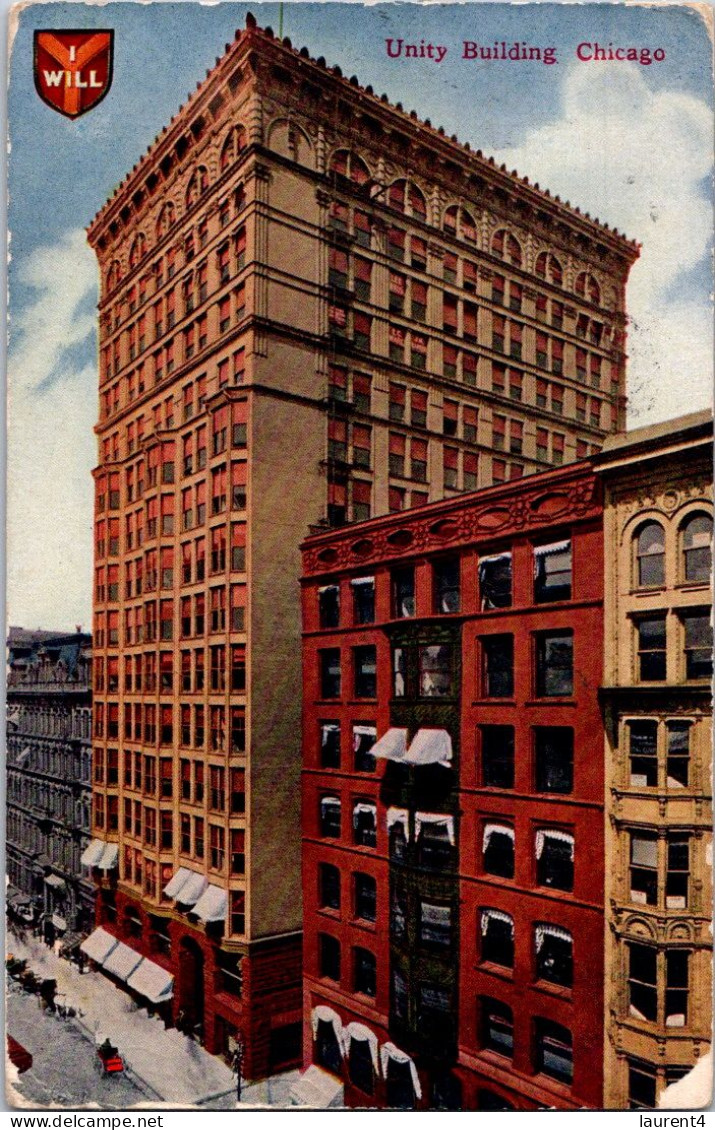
pixel 629 143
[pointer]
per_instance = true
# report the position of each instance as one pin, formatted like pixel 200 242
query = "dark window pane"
pixel 498 652
pixel 330 672
pixel 642 982
pixel 327 1049
pixel 446 585
pixel 651 648
pixel 365 897
pixel 329 949
pixel 697 552
pixel 497 1027
pixel 643 743
pixel 554 955
pixel 363 600
pixel 554 860
pixel 435 671
pixel 365 661
pixel 698 647
pixel 495 581
pixel 330 745
pixel 554 674
pixel 329 604
pixel 498 756
pixel 552 572
pixel 329 878
pixel 360 1066
pixel 498 851
pixel 365 972
pixel 403 592
pixel 678 754
pixel 497 937
pixel 554 759
pixel 554 1050
pixel 650 550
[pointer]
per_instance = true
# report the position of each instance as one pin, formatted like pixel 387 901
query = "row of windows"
pixel 152 724
pixel 49 758
pixel 226 791
pixel 155 569
pixel 695 645
pixel 552 581
pixel 694 548
pixel 225 606
pixel 146 673
pixel 56 722
pixel 406 198
pixel 428 671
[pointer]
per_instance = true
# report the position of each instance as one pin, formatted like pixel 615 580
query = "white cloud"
pixel 637 159
pixel 51 446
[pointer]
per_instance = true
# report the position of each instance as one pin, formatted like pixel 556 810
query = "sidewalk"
pixel 167 1065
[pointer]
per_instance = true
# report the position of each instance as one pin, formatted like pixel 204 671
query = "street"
pixel 62 1071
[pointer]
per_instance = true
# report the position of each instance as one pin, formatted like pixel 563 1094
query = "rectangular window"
pixel 330 672
pixel 552 572
pixel 497 937
pixel 554 954
pixel 554 859
pixel 330 745
pixel 329 957
pixel 365 667
pixel 328 886
pixel 553 755
pixel 498 850
pixel 446 585
pixel 698 646
pixel 497 745
pixel 330 817
pixel 365 897
pixel 554 1051
pixel 644 869
pixel 435 671
pixel 677 872
pixel 678 754
pixel 435 924
pixel 643 751
pixel 498 666
pixel 365 972
pixel 641 1085
pixel 642 982
pixel 329 606
pixel 495 581
pixel 676 988
pixel 363 600
pixel 651 649
pixel 554 664
pixel 497 1027
pixel 364 737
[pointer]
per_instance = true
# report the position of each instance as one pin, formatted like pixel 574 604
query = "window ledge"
pixel 550 987
pixel 502 971
pixel 552 700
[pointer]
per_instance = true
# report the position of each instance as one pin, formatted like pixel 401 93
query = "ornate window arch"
pixel 549 267
pixel 696 531
pixel 349 165
pixel 459 222
pixel 586 286
pixel 649 555
pixel 198 184
pixel 114 275
pixel 138 250
pixel 166 219
pixel 507 247
pixel 407 198
pixel 233 145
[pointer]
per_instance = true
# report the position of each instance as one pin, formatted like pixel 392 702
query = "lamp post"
pixel 237 1063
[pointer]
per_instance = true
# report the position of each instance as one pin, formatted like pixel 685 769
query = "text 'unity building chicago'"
pixel 315 308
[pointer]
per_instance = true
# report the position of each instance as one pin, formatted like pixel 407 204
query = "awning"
pixel 554 547
pixel 389 1051
pixel 328 1016
pixel 317 1089
pixel 211 907
pixel 399 816
pixel 546 930
pixel 99 945
pixel 429 747
pixel 122 961
pixel 446 822
pixel 59 922
pixel 392 745
pixel 492 915
pixel 56 882
pixel 92 853
pixel 152 982
pixel 363 581
pixel 362 1034
pixel 552 834
pixel 496 829
pixel 185 886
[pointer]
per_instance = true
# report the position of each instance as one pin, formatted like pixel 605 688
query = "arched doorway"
pixel 190 1010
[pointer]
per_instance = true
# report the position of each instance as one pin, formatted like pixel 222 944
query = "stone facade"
pixel 658 710
pixel 49 736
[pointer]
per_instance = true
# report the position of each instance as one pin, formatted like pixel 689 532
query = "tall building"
pixel 49 750
pixel 658 708
pixel 453 789
pixel 314 308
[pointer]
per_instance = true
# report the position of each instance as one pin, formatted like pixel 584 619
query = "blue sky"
pixel 629 143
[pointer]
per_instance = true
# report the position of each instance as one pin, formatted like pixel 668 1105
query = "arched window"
pixel 234 143
pixel 696 533
pixel 506 246
pixel 459 222
pixel 167 218
pixel 650 555
pixel 197 186
pixel 407 198
pixel 114 275
pixel 350 166
pixel 548 267
pixel 587 287
pixel 138 250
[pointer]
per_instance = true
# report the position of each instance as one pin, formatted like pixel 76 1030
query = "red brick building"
pixel 453 801
pixel 314 308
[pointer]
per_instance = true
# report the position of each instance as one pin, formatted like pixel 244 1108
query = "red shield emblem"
pixel 73 69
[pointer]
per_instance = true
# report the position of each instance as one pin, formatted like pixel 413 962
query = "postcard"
pixel 359 557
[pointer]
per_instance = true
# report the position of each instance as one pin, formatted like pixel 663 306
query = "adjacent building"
pixel 49 750
pixel 453 798
pixel 657 704
pixel 314 308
